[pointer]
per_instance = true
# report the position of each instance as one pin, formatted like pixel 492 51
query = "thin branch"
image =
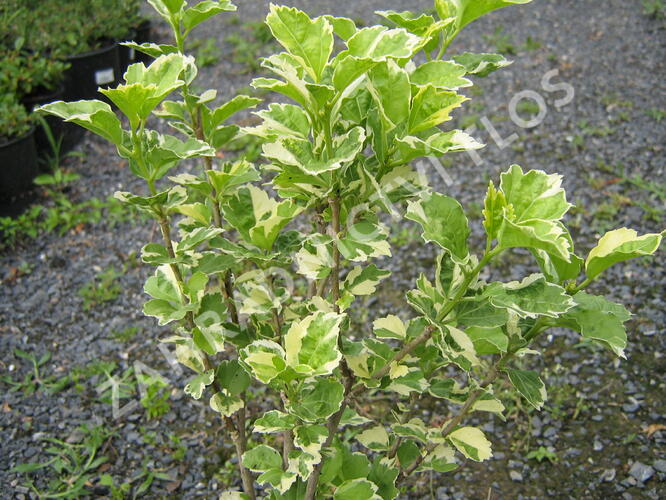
pixel 237 432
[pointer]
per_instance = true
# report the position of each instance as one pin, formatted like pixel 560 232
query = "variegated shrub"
pixel 254 305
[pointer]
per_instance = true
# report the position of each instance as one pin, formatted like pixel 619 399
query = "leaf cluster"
pixel 257 300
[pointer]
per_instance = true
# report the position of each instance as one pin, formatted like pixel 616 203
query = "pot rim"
pixel 91 53
pixel 14 140
pixel 33 99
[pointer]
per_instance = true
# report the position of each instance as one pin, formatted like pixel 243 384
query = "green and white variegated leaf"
pixel 274 421
pixel 598 319
pixel 229 108
pixel 488 402
pixel 535 203
pixel 310 41
pixel 166 305
pixel 383 474
pixel 556 269
pixel 278 479
pixel 163 285
pixel 426 299
pixel 350 417
pixel 198 383
pixel 413 381
pixel 226 405
pixel 451 275
pixel 365 240
pixel 443 221
pixel 390 327
pixel 436 144
pixel 310 439
pixel 198 13
pixel 293 85
pixel 530 298
pixel 281 120
pixel 232 377
pixel 357 489
pixel 258 218
pixel 232 175
pixel 364 280
pixel 403 182
pixel 457 347
pixel 375 438
pixel 302 463
pixel 550 236
pixel 154 50
pixel 300 153
pixel 315 259
pixel 467 11
pixel 445 75
pixel 189 355
pixel 95 116
pixel 233 495
pixel 422 25
pixel 490 340
pixel 318 400
pixel 145 88
pixel 431 107
pixel 348 74
pixel 380 43
pixel 342 26
pixel 494 207
pixel 529 385
pixel 617 246
pixel 414 429
pixel 312 344
pixel 481 64
pixel 449 389
pixel 256 298
pixel 534 195
pixel 441 459
pixel 414 23
pixel 265 359
pixel 262 458
pixel 472 443
pixel 389 85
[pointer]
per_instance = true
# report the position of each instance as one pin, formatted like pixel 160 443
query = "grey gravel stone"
pixel 641 471
pixel 660 465
pixel 608 475
pixel 516 476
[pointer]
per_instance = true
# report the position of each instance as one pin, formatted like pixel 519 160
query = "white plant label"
pixel 103 76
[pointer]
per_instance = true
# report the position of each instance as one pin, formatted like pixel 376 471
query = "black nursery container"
pixel 18 166
pixel 91 70
pixel 68 134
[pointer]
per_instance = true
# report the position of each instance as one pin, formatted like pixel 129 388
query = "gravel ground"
pixel 606 420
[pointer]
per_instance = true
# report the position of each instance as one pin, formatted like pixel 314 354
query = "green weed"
pixel 103 288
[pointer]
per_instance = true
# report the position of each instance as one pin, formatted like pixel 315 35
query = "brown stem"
pixel 334 421
pixel 287 447
pixel 335 273
pixel 321 287
pixel 229 295
pixel 333 424
pixel 455 421
pixel 237 432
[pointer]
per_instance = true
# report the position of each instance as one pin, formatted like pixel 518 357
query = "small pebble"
pixel 641 471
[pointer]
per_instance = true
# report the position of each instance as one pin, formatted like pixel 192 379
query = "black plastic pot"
pixel 69 134
pixel 140 34
pixel 91 70
pixel 18 166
